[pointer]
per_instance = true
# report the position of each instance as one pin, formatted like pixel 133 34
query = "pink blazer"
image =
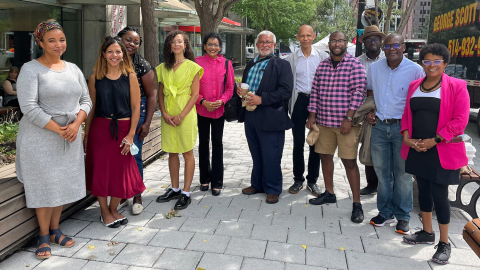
pixel 452 120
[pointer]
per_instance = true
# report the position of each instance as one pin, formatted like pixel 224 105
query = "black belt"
pixel 303 94
pixel 114 127
pixel 389 121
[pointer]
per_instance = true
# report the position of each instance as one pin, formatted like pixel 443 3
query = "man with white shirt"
pixel 304 63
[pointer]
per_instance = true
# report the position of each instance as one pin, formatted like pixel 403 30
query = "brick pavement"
pixel 235 231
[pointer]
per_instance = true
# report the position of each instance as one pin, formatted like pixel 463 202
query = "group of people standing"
pixel 415 113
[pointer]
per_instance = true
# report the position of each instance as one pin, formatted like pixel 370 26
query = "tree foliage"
pixel 211 13
pixel 335 15
pixel 282 17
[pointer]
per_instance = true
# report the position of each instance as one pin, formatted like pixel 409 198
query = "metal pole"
pixel 361 8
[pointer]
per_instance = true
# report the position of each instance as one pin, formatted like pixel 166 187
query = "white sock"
pixel 176 189
pixel 186 193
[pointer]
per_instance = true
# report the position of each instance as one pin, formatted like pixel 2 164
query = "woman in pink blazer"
pixel 436 112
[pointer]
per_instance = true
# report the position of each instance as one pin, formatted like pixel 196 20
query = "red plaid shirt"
pixel 337 90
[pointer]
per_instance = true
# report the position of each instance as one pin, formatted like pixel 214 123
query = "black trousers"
pixel 210 173
pixel 371 175
pixel 430 193
pixel 299 118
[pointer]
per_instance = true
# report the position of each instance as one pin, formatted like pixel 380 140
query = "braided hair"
pixel 128 29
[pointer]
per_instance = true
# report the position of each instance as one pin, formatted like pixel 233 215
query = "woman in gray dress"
pixel 54 99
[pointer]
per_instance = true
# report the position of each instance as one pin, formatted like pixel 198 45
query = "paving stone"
pixel 173 259
pixel 160 208
pixel 99 231
pixel 159 221
pixel 208 243
pixel 213 261
pixel 138 220
pixel 290 221
pixel 200 225
pixel 246 247
pixel 97 250
pixel 234 229
pixel 270 233
pixel 138 255
pixel 138 268
pixel 20 260
pixel 279 207
pixel 171 239
pixel 216 200
pixel 92 265
pixel 135 235
pixel 55 262
pixel 224 213
pixel 337 241
pixel 256 217
pixel 336 213
pixel 195 211
pixel 71 227
pixel 291 266
pixel 322 224
pixel 458 241
pixel 326 258
pixel 60 251
pixel 306 237
pixel 361 261
pixel 306 209
pixel 290 253
pixel 244 202
pixel 364 229
pixel 257 264
pixel 436 266
pixel 91 213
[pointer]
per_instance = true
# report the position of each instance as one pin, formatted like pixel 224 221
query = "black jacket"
pixel 275 89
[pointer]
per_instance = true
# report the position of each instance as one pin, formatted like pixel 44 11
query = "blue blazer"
pixel 275 89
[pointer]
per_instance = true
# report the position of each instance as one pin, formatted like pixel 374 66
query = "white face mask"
pixel 133 147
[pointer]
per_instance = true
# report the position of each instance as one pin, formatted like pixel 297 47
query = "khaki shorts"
pixel 330 138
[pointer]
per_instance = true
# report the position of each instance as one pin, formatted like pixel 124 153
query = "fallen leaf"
pixel 28 265
pixel 206 206
pixel 204 241
pixel 91 247
pixel 139 229
pixel 306 205
pixel 199 268
pixel 163 186
pixel 304 246
pixel 341 248
pixel 149 189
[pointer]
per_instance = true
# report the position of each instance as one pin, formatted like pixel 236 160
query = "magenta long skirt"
pixel 108 172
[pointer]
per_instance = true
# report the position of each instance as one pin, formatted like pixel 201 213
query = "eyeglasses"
pixel 333 41
pixel 395 46
pixel 265 43
pixel 370 40
pixel 429 62
pixel 213 45
pixel 179 42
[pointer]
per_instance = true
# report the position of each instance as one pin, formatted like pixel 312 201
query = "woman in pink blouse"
pixel 214 93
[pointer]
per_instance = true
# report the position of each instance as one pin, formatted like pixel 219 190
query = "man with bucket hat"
pixel 372 39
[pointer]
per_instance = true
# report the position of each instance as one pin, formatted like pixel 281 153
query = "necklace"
pixel 429 89
pixel 178 63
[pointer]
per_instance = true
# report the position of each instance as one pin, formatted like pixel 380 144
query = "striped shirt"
pixel 335 91
pixel 255 74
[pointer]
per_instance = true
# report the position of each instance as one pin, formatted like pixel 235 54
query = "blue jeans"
pixel 139 144
pixel 394 192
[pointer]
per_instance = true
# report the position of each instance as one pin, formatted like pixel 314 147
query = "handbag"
pixel 471 235
pixel 312 136
pixel 233 106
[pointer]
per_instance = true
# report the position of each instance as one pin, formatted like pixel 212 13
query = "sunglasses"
pixel 395 46
pixel 429 62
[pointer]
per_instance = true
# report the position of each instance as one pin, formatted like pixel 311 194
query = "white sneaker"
pixel 121 205
pixel 137 208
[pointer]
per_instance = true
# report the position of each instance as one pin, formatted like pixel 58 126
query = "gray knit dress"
pixel 51 169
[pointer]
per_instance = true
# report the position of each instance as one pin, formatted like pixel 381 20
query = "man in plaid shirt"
pixel 338 90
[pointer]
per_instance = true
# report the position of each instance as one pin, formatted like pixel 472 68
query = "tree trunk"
pixel 406 16
pixel 376 13
pixel 210 18
pixel 388 16
pixel 207 25
pixel 150 32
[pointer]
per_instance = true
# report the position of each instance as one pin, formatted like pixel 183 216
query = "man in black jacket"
pixel 270 81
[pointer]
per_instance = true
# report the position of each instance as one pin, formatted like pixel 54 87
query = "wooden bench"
pixel 470 208
pixel 18 224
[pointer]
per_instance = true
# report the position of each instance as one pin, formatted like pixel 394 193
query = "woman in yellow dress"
pixel 178 85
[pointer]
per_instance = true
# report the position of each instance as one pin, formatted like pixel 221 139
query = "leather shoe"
pixel 367 191
pixel 216 192
pixel 314 189
pixel 272 198
pixel 296 187
pixel 183 202
pixel 326 197
pixel 169 195
pixel 249 191
pixel 203 188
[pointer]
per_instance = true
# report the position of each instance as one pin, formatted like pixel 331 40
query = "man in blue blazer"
pixel 270 81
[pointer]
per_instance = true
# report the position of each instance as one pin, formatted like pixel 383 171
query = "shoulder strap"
pixel 226 71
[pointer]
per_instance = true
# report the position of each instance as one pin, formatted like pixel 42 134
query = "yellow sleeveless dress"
pixel 177 91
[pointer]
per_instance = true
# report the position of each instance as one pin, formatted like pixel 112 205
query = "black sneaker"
pixel 296 187
pixel 402 227
pixel 367 191
pixel 183 202
pixel 169 195
pixel 325 197
pixel 442 254
pixel 380 221
pixel 357 213
pixel 420 237
pixel 313 188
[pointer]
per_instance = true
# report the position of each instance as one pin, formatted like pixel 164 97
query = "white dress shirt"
pixel 305 70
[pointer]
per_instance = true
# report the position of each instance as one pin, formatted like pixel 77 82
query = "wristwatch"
pixel 350 119
pixel 437 139
pixel 201 101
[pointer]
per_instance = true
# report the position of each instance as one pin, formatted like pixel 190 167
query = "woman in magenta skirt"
pixel 109 130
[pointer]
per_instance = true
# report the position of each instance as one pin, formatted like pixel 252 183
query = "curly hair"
pixel 128 29
pixel 213 35
pixel 436 49
pixel 168 55
pixel 101 67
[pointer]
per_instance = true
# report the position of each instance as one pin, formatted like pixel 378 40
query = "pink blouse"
pixel 212 84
